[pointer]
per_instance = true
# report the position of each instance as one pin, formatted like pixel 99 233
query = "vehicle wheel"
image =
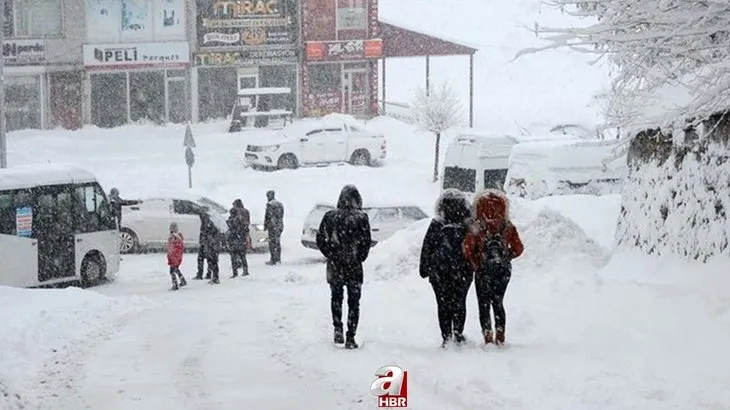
pixel 93 270
pixel 360 158
pixel 288 161
pixel 128 241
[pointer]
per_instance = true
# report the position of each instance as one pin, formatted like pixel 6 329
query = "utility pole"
pixel 3 139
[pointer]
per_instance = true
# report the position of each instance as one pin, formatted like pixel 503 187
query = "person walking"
pixel 344 239
pixel 210 244
pixel 444 264
pixel 274 225
pixel 490 246
pixel 116 203
pixel 175 250
pixel 237 234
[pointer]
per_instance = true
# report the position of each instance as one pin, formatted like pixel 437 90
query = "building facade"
pixel 136 59
pixel 112 62
pixel 43 71
pixel 244 45
pixel 341 52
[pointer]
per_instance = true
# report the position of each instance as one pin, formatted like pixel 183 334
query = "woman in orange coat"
pixel 490 246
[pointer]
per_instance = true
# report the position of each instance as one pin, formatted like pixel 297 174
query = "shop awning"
pixel 402 42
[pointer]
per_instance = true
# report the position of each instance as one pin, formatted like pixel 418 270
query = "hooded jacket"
pixel 442 258
pixel 210 236
pixel 491 214
pixel 175 249
pixel 344 237
pixel 237 230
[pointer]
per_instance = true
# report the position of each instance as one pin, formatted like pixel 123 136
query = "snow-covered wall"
pixel 676 199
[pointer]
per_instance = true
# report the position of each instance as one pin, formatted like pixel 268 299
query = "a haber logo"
pixel 391 387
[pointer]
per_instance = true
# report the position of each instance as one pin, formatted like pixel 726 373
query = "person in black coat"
pixel 210 246
pixel 274 225
pixel 444 264
pixel 237 234
pixel 116 203
pixel 344 239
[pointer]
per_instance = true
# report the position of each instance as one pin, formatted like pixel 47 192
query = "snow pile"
pixel 399 255
pixel 596 215
pixel 679 204
pixel 39 323
pixel 552 240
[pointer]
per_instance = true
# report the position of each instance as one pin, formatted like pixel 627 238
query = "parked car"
pixel 145 226
pixel 333 138
pixel 384 221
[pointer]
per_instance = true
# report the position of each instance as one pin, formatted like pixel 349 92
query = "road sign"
pixel 189 140
pixel 189 157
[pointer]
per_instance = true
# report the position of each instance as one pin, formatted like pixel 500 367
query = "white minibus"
pixel 56 227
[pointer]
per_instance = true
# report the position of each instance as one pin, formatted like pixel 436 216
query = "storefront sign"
pixel 247 22
pixel 24 51
pixel 344 50
pixel 247 57
pixel 169 54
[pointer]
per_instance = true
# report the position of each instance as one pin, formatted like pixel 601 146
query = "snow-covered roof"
pixel 42 175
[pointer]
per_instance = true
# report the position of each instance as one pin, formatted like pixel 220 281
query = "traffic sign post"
pixel 189 144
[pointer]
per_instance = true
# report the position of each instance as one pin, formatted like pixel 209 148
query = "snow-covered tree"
pixel 668 54
pixel 436 110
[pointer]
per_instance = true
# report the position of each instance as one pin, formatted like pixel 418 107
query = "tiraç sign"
pixel 247 22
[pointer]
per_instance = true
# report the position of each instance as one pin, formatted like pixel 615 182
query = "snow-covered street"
pixel 586 330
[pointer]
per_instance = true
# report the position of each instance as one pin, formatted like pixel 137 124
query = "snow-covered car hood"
pixel 270 140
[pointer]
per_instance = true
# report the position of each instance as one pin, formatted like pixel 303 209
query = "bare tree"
pixel 436 111
pixel 664 51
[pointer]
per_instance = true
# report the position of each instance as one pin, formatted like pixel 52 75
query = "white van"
pixel 475 162
pixel 538 169
pixel 56 226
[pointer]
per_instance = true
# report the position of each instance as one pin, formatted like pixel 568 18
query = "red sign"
pixel 344 50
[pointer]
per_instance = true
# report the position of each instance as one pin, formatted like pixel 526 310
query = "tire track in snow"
pixel 192 383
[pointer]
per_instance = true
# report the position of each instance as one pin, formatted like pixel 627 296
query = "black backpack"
pixel 495 252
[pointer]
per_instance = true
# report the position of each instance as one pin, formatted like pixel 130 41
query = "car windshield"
pixel 212 205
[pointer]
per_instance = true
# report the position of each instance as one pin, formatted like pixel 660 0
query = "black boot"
pixel 183 282
pixel 459 338
pixel 447 339
pixel 350 342
pixel 174 284
pixel 339 336
pixel 235 274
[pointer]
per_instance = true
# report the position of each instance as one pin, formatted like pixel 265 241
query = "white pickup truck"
pixel 333 138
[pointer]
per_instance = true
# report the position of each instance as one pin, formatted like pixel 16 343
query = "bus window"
pixel 7 214
pixel 93 209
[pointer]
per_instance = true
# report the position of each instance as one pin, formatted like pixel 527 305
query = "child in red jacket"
pixel 175 249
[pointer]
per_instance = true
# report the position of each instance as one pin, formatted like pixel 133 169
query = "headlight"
pixel 272 148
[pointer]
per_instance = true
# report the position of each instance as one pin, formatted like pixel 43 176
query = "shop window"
pixel 217 92
pixel 36 18
pixel 279 76
pixel 147 96
pixel 351 15
pixel 23 102
pixel 109 99
pixel 325 77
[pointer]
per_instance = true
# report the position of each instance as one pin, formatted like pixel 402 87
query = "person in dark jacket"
pixel 116 203
pixel 274 225
pixel 210 244
pixel 237 233
pixel 444 264
pixel 344 239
